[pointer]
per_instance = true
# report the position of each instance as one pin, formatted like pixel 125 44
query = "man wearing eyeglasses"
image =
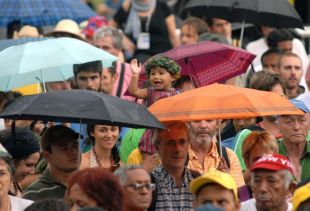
pixel 137 187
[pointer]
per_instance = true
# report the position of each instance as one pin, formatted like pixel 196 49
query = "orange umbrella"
pixel 219 101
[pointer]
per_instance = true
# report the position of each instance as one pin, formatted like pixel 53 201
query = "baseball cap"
pixel 301 105
pixel 214 176
pixel 274 162
pixel 300 195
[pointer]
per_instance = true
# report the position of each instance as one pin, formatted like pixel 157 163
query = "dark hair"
pixel 95 66
pixel 265 81
pixel 11 27
pixel 278 35
pixel 100 185
pixel 272 51
pixel 57 134
pixel 50 204
pixel 112 69
pixel 198 24
pixel 91 141
pixel 210 21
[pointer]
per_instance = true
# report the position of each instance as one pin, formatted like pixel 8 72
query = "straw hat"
pixel 26 31
pixel 69 27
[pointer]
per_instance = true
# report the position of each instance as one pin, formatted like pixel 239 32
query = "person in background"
pixel 94 187
pixel 216 188
pixel 191 28
pixel 9 202
pixel 271 183
pixel 137 187
pixel 24 147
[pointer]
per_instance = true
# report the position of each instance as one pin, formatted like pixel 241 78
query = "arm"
pixel 174 39
pixel 133 86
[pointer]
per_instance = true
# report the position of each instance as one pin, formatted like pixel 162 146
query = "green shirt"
pixel 304 161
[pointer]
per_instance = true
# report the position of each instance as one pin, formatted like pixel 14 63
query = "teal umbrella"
pixel 47 60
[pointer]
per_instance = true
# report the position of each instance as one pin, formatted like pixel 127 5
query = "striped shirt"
pixel 212 160
pixel 169 197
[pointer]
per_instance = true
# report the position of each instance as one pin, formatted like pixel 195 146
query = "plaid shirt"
pixel 212 160
pixel 170 197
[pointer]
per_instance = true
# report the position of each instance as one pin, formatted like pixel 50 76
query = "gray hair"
pixel 121 172
pixel 288 178
pixel 116 34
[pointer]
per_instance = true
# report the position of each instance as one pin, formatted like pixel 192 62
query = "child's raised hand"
pixel 135 67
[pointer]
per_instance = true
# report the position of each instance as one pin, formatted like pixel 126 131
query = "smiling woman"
pixel 104 152
pixel 24 147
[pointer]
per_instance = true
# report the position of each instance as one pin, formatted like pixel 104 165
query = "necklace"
pixel 98 160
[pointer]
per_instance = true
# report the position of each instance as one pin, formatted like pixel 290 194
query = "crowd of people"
pixel 262 164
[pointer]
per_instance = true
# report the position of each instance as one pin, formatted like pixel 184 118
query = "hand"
pixel 150 162
pixel 135 68
pixel 223 166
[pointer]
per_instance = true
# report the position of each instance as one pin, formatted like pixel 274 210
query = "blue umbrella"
pixel 47 60
pixel 43 12
pixel 12 42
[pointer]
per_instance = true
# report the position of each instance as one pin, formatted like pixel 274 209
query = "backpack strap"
pixel 121 80
pixel 224 154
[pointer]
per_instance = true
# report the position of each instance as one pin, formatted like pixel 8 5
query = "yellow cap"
pixel 214 176
pixel 301 194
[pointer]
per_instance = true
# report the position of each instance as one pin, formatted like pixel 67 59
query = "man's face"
pixel 88 80
pixel 290 71
pixel 269 189
pixel 107 81
pixel 64 156
pixel 222 27
pixel 202 131
pixel 189 35
pixel 286 45
pixel 294 128
pixel 59 85
pixel 106 43
pixel 218 196
pixel 240 124
pixel 137 199
pixel 270 62
pixel 26 166
pixel 173 147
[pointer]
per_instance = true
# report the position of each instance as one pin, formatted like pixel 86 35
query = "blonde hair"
pixel 258 138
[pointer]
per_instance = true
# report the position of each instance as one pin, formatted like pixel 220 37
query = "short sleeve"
pixel 165 9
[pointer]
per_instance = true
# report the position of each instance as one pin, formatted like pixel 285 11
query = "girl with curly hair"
pixel 161 72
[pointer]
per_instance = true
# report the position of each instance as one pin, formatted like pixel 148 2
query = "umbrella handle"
pixel 43 82
pixel 219 142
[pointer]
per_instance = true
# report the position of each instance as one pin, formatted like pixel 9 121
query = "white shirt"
pixel 250 205
pixel 19 204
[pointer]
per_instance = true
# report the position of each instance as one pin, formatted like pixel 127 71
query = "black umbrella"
pixel 274 13
pixel 80 106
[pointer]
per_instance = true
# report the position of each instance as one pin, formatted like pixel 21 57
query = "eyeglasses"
pixel 138 186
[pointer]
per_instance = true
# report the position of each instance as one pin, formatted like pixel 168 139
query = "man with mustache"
pixel 291 71
pixel 271 182
pixel 203 153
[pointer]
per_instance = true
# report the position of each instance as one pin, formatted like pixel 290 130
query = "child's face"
pixel 161 79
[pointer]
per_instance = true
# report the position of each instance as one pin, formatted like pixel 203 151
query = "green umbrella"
pixel 47 60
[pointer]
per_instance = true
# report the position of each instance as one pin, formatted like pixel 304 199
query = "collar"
pixel 213 152
pixel 46 177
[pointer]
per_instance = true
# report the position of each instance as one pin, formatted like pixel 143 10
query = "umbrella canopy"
pixel 81 106
pixel 219 101
pixel 43 13
pixel 208 62
pixel 47 60
pixel 274 13
pixel 12 42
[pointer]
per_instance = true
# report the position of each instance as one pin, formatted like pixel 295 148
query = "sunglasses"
pixel 138 186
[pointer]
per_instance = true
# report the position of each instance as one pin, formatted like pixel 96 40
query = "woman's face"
pixel 26 166
pixel 5 178
pixel 78 199
pixel 105 136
